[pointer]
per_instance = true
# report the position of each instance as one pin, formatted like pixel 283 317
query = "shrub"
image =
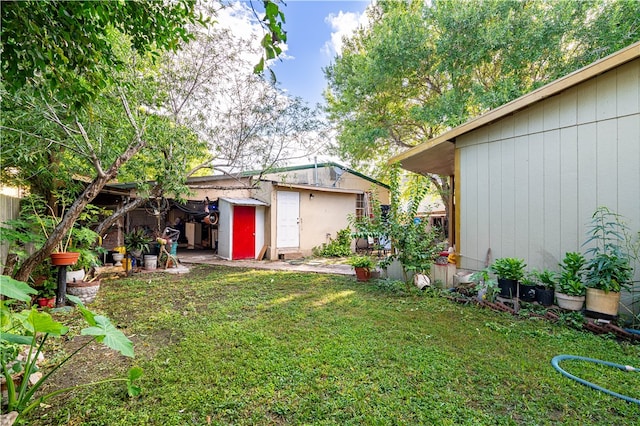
pixel 339 247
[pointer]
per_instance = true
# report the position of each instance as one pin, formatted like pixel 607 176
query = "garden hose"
pixel 556 360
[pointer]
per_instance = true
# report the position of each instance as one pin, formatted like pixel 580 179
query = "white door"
pixel 288 220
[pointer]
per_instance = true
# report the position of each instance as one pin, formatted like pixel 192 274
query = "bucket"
pixel 174 248
pixel 150 262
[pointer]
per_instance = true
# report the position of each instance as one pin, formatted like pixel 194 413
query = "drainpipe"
pixel 315 172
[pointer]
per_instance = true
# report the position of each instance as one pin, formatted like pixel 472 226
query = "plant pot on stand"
pixel 65 258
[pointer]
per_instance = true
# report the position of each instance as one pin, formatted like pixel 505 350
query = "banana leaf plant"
pixel 25 327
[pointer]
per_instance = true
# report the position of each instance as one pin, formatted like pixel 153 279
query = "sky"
pixel 314 29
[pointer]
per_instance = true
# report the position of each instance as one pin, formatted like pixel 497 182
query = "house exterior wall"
pixel 327 177
pixel 323 216
pixel 529 183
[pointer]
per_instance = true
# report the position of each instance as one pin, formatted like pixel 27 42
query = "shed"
pixel 241 229
pixel 528 175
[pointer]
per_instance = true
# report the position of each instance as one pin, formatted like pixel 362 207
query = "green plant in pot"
pixel 137 242
pixel 509 270
pixel 362 266
pixel 527 286
pixel 545 286
pixel 487 286
pixel 571 289
pixel 47 293
pixel 608 268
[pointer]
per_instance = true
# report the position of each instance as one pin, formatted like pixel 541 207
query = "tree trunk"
pixel 74 211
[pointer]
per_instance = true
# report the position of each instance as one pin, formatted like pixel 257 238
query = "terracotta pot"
pixel 602 302
pixel 85 291
pixel 571 303
pixel 64 258
pixel 363 274
pixel 44 302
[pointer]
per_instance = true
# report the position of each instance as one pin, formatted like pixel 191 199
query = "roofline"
pixel 317 188
pixel 311 166
pixel 601 66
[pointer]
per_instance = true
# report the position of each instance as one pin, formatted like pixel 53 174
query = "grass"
pixel 245 347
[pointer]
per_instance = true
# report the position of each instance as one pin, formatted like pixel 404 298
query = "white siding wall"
pixel 224 229
pixel 530 182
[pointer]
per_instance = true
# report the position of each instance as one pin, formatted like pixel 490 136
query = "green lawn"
pixel 244 347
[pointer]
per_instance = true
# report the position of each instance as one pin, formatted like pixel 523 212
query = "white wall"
pixel 529 183
pixel 225 222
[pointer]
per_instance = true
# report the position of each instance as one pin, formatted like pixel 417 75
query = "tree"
pixel 56 127
pixel 247 122
pixel 421 68
pixel 66 47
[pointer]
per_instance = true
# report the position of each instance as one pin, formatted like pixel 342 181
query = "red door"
pixel 244 232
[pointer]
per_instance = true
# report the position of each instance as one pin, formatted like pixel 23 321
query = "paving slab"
pixel 299 265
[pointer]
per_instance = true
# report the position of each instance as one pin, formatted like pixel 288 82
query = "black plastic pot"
pixel 527 293
pixel 508 288
pixel 544 296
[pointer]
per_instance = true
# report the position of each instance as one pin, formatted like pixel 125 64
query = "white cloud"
pixel 344 24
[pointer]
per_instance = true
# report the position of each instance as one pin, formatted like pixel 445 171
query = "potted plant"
pixel 362 266
pixel 47 294
pixel 545 289
pixel 487 287
pixel 527 286
pixel 137 242
pixel 608 269
pixel 509 271
pixel 571 289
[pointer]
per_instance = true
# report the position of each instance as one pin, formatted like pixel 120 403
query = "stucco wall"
pixel 324 215
pixel 530 182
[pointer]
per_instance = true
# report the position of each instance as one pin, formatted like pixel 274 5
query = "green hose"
pixel 556 360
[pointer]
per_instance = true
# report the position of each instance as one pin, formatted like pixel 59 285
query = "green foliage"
pixel 546 278
pixel 361 262
pixel 30 329
pixel 415 246
pixel 420 68
pixel 67 48
pixel 275 35
pixel 609 265
pixel 338 247
pixel 137 241
pixel 509 268
pixel 485 284
pixel 571 274
pixel 238 346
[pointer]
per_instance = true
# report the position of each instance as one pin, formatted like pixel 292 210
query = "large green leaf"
pixel 14 289
pixel 41 322
pixel 16 338
pixel 108 334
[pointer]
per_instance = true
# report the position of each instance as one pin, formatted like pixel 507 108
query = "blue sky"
pixel 310 25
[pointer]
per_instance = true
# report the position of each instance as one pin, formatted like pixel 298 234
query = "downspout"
pixel 315 172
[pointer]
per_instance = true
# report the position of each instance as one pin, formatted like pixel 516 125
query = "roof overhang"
pixel 437 155
pixel 244 201
pixel 318 188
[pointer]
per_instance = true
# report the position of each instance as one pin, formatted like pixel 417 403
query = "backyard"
pixel 240 346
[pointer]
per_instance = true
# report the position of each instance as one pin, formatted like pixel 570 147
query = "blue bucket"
pixel 174 248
